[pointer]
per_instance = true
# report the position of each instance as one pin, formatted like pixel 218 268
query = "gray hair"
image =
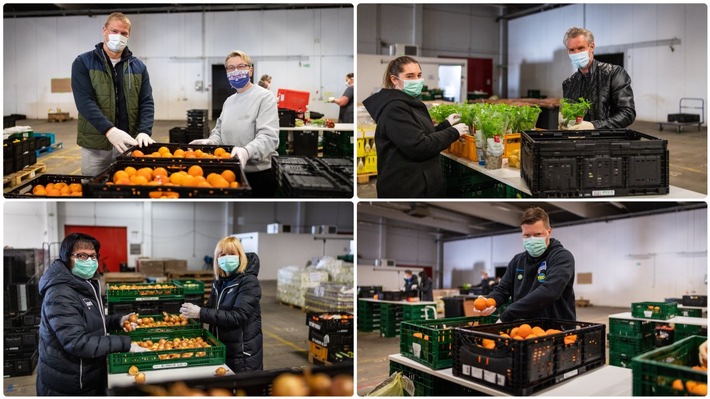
pixel 574 32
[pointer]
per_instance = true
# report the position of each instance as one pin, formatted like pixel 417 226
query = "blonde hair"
pixel 118 16
pixel 238 53
pixel 229 246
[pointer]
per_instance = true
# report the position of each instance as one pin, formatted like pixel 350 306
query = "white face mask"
pixel 116 42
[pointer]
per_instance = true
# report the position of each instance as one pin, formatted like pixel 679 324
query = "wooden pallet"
pixel 292 306
pixel 59 117
pixel 365 177
pixel 27 173
pixel 312 358
pixel 207 276
pixel 583 303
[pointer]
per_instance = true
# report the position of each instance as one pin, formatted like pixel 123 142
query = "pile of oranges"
pixel 482 303
pixel 164 152
pixel 525 331
pixel 58 190
pixel 159 176
pixel 692 387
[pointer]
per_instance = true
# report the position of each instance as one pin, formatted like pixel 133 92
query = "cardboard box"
pixel 152 267
pixel 175 265
pixel 468 307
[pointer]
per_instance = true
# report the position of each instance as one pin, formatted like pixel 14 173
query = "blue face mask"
pixel 85 268
pixel 228 263
pixel 580 60
pixel 535 246
pixel 238 78
pixel 413 87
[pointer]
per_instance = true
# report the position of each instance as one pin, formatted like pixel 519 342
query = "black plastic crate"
pixel 148 159
pixel 683 118
pixel 594 163
pixel 20 340
pixel 102 186
pixel 257 383
pixel 341 341
pixel 25 190
pixel 287 117
pixel 330 322
pixel 20 364
pixel 695 300
pixel 144 307
pixel 522 367
pixel 391 295
pixel 177 135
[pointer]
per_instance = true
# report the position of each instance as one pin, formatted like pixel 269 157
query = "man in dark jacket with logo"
pixel 539 280
pixel 234 310
pixel 114 98
pixel 408 144
pixel 606 86
pixel 73 331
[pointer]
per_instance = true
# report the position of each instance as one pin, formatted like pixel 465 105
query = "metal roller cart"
pixel 685 119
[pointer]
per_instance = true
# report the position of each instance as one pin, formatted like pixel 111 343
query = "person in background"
pixel 606 86
pixel 408 144
pixel 425 287
pixel 114 98
pixel 233 310
pixel 249 122
pixel 540 280
pixel 486 283
pixel 411 284
pixel 345 101
pixel 265 81
pixel 73 330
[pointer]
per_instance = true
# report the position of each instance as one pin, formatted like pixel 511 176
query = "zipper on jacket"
pixel 81 373
pixel 216 307
pixel 100 305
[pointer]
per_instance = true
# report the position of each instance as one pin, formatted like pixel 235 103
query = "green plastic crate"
pixel 690 312
pixel 655 371
pixel 630 328
pixel 434 347
pixel 659 310
pixel 683 331
pixel 417 312
pixel 143 331
pixel 424 383
pixel 190 286
pixel 215 355
pixel 143 292
pixel 632 346
pixel 619 360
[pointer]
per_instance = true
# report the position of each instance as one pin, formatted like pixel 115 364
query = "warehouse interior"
pixel 624 252
pixel 302 247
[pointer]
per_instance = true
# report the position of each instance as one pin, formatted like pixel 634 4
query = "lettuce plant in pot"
pixel 573 112
pixel 494 125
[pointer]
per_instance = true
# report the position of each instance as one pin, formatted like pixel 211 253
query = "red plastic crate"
pixel 293 99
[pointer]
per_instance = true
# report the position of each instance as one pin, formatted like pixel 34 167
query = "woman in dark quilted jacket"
pixel 233 310
pixel 73 331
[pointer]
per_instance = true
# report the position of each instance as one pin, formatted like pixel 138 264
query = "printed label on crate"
pixel 603 193
pixel 169 366
pixel 501 380
pixel 567 375
pixel 476 373
pixel 417 349
pixel 314 325
pixel 147 298
pixel 490 376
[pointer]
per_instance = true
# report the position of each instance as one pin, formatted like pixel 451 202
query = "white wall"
pixel 407 245
pixel 390 278
pixel 279 250
pixel 299 215
pixel 638 259
pixel 660 77
pixel 310 50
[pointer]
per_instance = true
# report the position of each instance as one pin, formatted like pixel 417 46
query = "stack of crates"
pixel 18 152
pixel 144 298
pixel 366 152
pixel 629 338
pixel 197 125
pixel 672 370
pixel 20 336
pixel 330 335
pixel 368 316
pixel 337 144
pixel 390 319
pixel 194 290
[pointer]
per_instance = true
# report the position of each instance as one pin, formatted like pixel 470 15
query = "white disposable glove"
pixel 584 125
pixel 242 154
pixel 120 139
pixel 331 99
pixel 462 128
pixel 144 140
pixel 203 142
pixel 125 318
pixel 453 119
pixel 136 348
pixel 190 310
pixel 703 354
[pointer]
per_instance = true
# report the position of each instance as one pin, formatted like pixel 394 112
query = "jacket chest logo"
pixel 541 271
pixel 88 302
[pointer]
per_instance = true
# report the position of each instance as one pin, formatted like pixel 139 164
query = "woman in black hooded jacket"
pixel 73 331
pixel 233 310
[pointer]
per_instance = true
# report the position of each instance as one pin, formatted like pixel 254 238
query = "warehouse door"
pixel 114 244
pixel 614 59
pixel 479 77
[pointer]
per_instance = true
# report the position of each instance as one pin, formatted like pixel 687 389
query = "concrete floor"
pixel 285 340
pixel 373 350
pixel 688 158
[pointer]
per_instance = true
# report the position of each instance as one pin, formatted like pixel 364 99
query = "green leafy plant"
pixel 571 109
pixel 527 117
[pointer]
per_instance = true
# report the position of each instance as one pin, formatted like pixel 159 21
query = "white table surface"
pixel 397 302
pixel 338 127
pixel 511 177
pixel 603 381
pixel 694 321
pixel 164 375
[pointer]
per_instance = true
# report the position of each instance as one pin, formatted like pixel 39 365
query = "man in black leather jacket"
pixel 606 86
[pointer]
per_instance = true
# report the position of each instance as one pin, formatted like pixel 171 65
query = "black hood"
pixel 252 264
pixel 59 274
pixel 377 102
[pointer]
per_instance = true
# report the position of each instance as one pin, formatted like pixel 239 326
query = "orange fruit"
pixel 123 180
pixel 204 184
pixel 137 153
pixel 531 336
pixel 162 150
pixel 552 331
pixel 570 339
pixel 49 186
pixel 480 303
pixel 489 344
pixel 60 185
pixel 179 153
pixel 678 385
pixel 65 190
pixel 229 175
pixel 190 154
pixel 53 192
pixel 220 182
pixel 161 179
pixel 140 180
pixel 176 178
pixel 225 155
pixel 76 194
pixel 155 194
pixel 41 192
pixel 514 332
pixel 195 170
pixel 219 151
pixel 504 335
pixel 199 153
pixel 120 174
pixel 156 154
pixel 700 389
pixel 491 302
pixel 524 330
pixel 188 180
pixel 159 171
pixel 518 337
pixel 130 170
pixel 538 331
pixel 689 385
pixel 234 184
pixel 38 188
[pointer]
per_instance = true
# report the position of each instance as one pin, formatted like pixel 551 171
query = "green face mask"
pixel 228 263
pixel 535 246
pixel 413 87
pixel 85 268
